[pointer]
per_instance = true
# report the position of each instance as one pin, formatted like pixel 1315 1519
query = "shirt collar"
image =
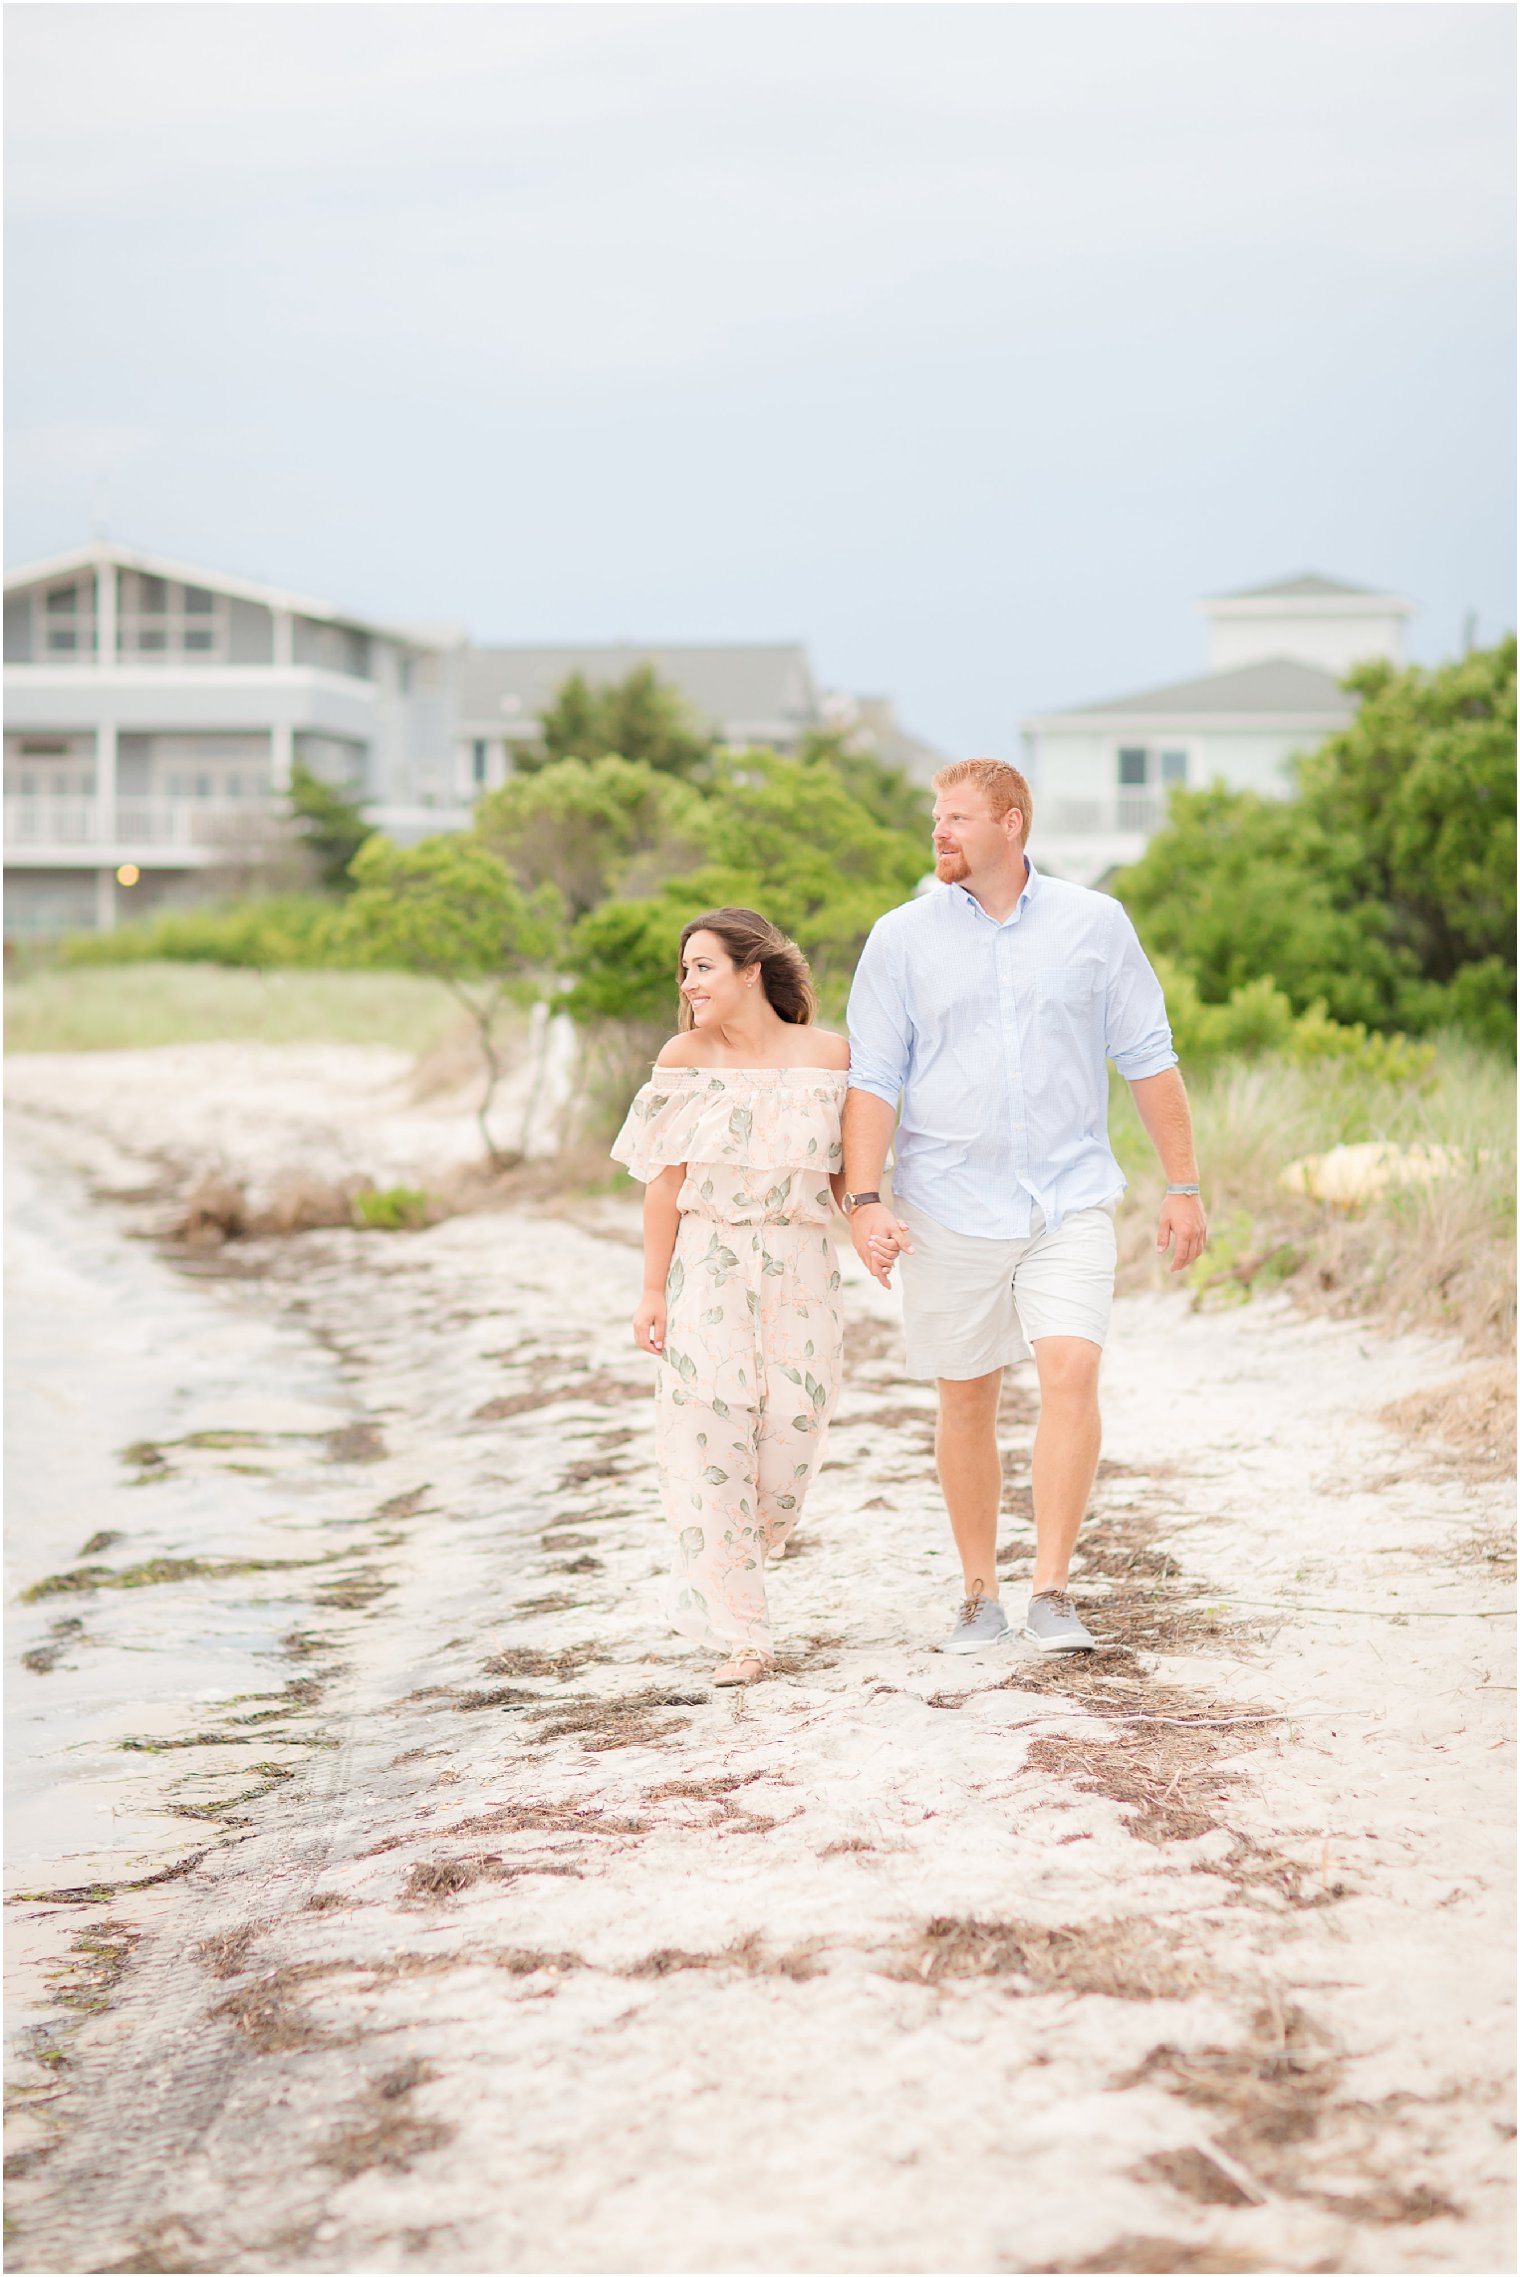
pixel 1031 888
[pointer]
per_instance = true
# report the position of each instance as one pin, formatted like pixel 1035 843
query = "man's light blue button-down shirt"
pixel 994 1036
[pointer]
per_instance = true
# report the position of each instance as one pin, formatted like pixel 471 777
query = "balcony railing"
pixel 137 822
pixel 1108 814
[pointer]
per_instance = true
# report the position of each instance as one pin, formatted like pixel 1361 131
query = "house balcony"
pixel 179 834
pixel 1108 814
pixel 49 833
pixel 1085 840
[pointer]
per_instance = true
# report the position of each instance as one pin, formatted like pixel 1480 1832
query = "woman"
pixel 737 1141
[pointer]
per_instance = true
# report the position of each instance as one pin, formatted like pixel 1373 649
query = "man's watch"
pixel 852 1202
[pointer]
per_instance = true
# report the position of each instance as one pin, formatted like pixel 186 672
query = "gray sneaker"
pixel 980 1623
pixel 1052 1624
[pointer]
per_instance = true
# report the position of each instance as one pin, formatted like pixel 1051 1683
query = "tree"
pixel 1386 889
pixel 330 824
pixel 786 838
pixel 825 867
pixel 450 909
pixel 592 827
pixel 1238 886
pixel 1422 783
pixel 623 958
pixel 886 792
pixel 640 717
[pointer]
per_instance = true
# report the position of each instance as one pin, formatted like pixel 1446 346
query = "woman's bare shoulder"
pixel 833 1051
pixel 684 1050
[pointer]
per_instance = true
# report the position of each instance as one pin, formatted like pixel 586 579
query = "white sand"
pixel 1329 2042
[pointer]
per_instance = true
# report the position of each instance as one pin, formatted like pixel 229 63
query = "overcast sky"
pixel 967 343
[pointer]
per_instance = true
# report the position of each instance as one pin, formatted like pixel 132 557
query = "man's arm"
pixel 868 1126
pixel 879 1045
pixel 1138 1039
pixel 1162 1103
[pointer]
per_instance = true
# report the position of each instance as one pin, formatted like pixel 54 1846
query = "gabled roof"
pixel 1310 586
pixel 742 686
pixel 105 552
pixel 1278 688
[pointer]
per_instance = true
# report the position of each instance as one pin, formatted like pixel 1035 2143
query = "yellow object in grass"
pixel 1351 1174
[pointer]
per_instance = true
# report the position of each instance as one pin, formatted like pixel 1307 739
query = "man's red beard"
pixel 951 868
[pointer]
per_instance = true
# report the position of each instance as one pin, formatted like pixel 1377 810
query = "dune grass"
pixel 132 1006
pixel 1438 1256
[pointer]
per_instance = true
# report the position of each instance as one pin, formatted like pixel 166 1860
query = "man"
pixel 988 1008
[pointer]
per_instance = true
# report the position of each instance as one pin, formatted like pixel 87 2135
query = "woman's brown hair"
pixel 751 939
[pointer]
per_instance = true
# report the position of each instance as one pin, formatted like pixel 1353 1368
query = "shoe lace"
pixel 971 1606
pixel 1060 1598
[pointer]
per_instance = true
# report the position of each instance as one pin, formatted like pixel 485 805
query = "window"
pixel 62 608
pixel 1174 766
pixel 159 619
pixel 1134 762
pixel 203 786
pixel 477 762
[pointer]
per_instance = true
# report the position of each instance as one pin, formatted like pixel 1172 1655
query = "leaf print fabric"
pixel 754 1327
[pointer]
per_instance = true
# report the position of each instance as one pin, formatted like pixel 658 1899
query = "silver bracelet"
pixel 1184 1189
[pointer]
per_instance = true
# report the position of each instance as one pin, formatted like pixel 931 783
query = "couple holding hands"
pixel 980 1018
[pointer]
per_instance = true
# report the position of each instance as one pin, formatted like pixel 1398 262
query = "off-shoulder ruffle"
pixel 751 1118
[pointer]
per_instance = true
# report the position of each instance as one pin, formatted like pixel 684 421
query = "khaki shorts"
pixel 971 1304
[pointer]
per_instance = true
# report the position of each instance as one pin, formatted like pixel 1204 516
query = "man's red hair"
pixel 1002 786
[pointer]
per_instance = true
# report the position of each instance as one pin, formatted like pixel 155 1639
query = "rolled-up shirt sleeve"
pixel 877 1018
pixel 1137 1035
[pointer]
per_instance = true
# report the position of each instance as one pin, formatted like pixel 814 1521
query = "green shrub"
pixel 392 1209
pixel 1258 1020
pixel 269 931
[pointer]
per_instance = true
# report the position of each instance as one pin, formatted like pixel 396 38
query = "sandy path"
pixel 547 1957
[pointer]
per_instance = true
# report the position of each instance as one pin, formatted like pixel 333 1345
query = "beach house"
pixel 154 710
pixel 1277 655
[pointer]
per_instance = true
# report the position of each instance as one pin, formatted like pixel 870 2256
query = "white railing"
pixel 1106 814
pixel 137 822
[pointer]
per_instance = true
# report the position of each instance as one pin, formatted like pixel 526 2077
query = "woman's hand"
pixel 879 1239
pixel 649 1322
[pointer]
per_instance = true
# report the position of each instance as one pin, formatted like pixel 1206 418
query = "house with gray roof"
pixel 1277 655
pixel 743 692
pixel 154 710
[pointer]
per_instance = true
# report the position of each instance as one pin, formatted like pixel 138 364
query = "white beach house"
pixel 1277 655
pixel 153 711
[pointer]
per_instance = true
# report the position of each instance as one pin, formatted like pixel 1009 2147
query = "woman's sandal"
pixel 735 1671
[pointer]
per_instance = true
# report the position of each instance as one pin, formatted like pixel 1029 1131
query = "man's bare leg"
pixel 971 1473
pixel 1066 1445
